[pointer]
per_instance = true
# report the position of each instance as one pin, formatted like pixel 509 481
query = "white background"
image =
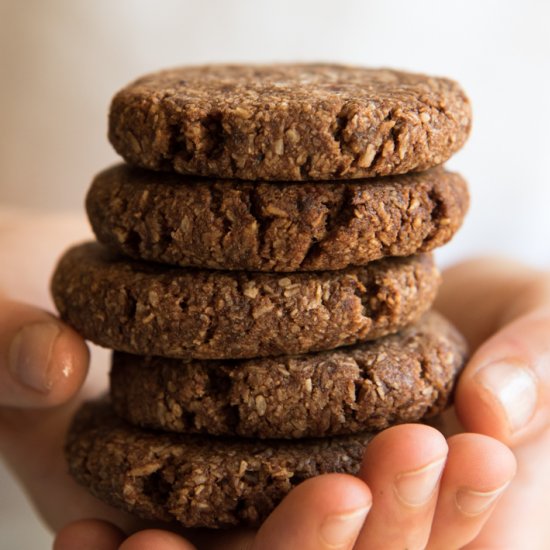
pixel 61 61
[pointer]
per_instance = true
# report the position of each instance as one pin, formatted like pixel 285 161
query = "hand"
pixel 504 310
pixel 43 363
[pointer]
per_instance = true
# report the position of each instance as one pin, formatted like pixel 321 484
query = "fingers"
pixel 42 361
pixel 477 472
pixel 94 534
pixel 157 539
pixel 402 467
pixel 89 534
pixel 504 391
pixel 323 513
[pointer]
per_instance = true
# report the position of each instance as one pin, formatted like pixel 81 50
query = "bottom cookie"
pixel 197 481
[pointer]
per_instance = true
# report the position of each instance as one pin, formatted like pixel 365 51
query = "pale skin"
pixel 471 478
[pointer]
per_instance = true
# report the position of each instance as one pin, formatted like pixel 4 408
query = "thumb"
pixel 504 391
pixel 43 362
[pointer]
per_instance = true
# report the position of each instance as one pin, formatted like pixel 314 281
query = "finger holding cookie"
pixel 501 307
pixel 43 362
pixel 508 376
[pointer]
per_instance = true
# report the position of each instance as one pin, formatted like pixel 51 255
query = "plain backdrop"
pixel 62 60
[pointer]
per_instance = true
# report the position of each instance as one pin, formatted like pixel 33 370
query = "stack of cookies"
pixel 263 273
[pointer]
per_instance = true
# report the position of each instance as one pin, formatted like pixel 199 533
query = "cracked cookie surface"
pixel 198 481
pixel 150 309
pixel 258 226
pixel 288 122
pixel 400 378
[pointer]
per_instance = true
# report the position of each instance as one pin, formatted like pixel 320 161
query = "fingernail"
pixel 29 355
pixel 515 388
pixel 417 487
pixel 340 531
pixel 473 503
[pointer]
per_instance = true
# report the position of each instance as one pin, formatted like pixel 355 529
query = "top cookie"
pixel 289 122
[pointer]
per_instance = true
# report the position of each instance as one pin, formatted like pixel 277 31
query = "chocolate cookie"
pixel 400 378
pixel 151 309
pixel 289 122
pixel 196 480
pixel 226 224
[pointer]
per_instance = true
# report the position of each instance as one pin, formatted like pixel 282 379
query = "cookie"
pixel 197 481
pixel 399 378
pixel 288 122
pixel 255 226
pixel 151 309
